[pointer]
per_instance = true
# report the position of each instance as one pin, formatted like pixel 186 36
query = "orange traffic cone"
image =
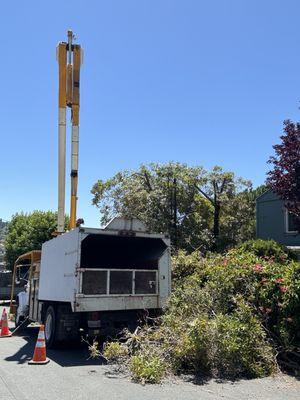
pixel 1 319
pixel 39 356
pixel 5 332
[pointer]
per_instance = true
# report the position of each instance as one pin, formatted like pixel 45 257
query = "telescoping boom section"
pixel 69 57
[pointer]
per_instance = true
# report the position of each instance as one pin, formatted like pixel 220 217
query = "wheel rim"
pixel 48 327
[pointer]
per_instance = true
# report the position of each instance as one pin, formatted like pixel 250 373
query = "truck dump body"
pixel 127 265
pixel 106 270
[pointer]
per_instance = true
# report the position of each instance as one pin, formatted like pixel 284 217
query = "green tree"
pixel 238 220
pixel 163 196
pixel 221 189
pixel 189 203
pixel 3 225
pixel 26 232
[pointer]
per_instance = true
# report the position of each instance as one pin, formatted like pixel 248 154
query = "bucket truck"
pixel 86 279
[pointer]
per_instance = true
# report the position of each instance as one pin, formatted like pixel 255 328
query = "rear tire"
pixel 50 327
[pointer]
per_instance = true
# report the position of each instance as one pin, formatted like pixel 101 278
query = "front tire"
pixel 50 327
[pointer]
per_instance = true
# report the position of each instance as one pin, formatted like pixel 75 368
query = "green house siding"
pixel 271 220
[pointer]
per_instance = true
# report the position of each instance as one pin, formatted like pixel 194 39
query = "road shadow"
pixel 24 353
pixel 66 355
pixel 203 379
pixel 289 364
pixel 73 355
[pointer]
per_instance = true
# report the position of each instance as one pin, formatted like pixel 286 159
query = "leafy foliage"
pixel 148 194
pixel 199 209
pixel 26 232
pixel 147 368
pixel 220 189
pixel 145 363
pixel 267 248
pixel 238 219
pixel 3 226
pixel 223 345
pixel 284 179
pixel 115 351
pixel 229 316
pixel 270 285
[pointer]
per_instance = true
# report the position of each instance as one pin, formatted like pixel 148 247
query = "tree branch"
pixel 223 185
pixel 204 194
pixel 148 183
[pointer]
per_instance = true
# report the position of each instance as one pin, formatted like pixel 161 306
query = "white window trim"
pixel 286 222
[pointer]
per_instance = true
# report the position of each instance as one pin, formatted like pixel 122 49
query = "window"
pixel 291 222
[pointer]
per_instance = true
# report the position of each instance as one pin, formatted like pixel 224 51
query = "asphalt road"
pixel 70 375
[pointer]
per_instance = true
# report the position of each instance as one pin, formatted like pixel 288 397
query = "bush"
pixel 228 316
pixel 271 288
pixel 114 351
pixel 183 265
pixel 147 368
pixel 267 248
pixel 210 328
pixel 231 346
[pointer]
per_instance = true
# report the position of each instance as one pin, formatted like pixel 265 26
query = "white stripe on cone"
pixel 40 344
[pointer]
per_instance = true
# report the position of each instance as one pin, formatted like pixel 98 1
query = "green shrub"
pixel 228 316
pixel 147 368
pixel 211 294
pixel 184 265
pixel 238 346
pixel 114 351
pixel 267 248
pixel 200 338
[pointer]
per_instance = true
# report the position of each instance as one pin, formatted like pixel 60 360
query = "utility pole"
pixel 175 226
pixel 69 57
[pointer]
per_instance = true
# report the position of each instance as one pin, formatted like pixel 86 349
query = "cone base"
pixel 38 362
pixel 9 335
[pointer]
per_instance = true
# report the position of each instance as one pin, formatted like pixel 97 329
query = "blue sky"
pixel 201 82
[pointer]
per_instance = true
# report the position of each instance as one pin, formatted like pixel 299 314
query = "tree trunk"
pixel 216 230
